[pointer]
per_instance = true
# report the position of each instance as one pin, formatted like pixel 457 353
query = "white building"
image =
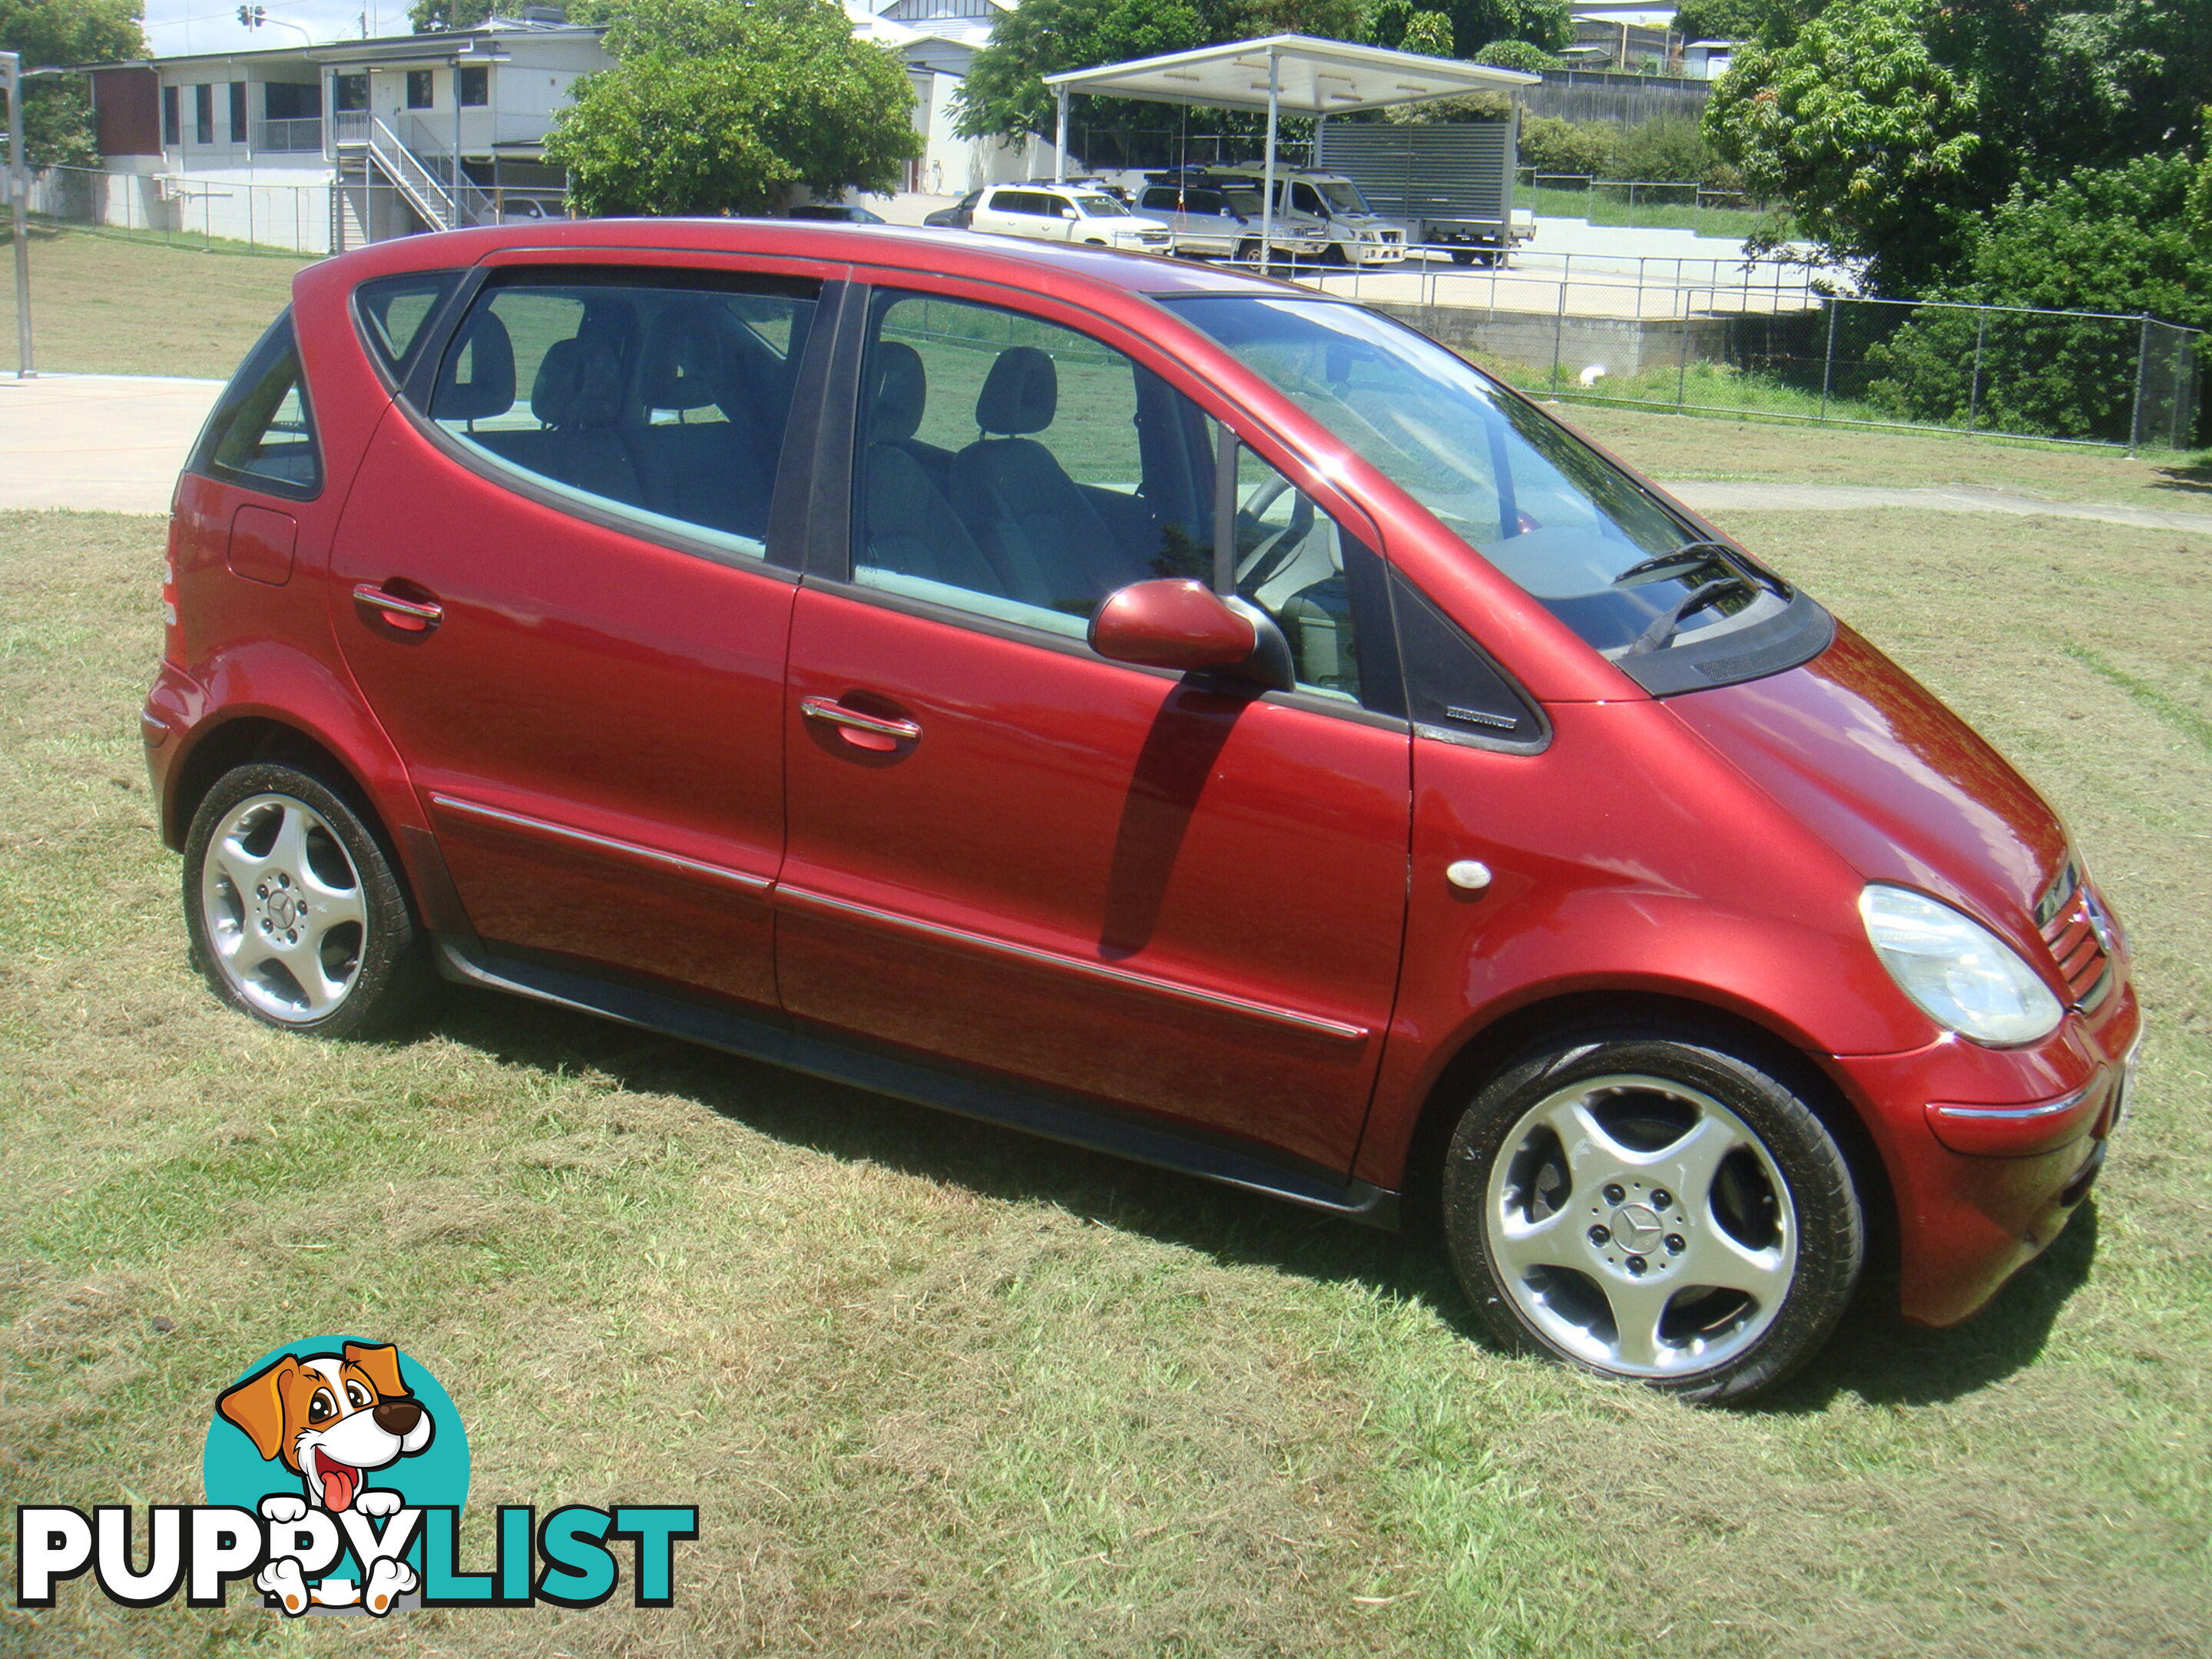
pixel 323 147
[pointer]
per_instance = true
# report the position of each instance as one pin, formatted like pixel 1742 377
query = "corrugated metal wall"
pixel 1456 170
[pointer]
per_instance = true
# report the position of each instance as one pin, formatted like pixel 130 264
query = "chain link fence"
pixel 1770 337
pixel 252 215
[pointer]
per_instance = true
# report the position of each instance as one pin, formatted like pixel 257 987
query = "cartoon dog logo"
pixel 332 1419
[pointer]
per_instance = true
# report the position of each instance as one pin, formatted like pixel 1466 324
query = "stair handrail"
pixel 416 180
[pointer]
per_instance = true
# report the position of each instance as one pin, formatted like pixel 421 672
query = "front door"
pixel 1008 851
pixel 555 587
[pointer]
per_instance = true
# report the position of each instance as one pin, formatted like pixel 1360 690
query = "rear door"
pixel 558 581
pixel 1008 852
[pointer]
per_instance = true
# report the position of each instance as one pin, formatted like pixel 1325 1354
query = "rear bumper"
pixel 175 704
pixel 1990 1153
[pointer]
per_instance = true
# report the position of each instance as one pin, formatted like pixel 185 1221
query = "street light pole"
pixel 19 188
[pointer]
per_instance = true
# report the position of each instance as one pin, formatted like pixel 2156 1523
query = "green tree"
pixel 1005 92
pixel 1428 33
pixel 437 16
pixel 1515 55
pixel 1874 143
pixel 1723 20
pixel 57 119
pixel 727 105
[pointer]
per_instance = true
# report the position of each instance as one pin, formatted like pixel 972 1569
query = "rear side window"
pixel 263 431
pixel 393 310
pixel 665 401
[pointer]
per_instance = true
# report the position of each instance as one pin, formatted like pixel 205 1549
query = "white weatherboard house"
pixel 324 148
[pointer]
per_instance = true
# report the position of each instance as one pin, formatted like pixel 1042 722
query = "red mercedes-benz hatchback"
pixel 1168 711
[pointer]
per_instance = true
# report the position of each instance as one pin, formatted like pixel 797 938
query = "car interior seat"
pixel 1050 545
pixel 908 525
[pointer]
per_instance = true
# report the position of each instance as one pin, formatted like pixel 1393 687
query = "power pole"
pixel 19 190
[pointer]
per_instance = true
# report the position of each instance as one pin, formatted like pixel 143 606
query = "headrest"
pixel 580 383
pixel 902 392
pixel 683 364
pixel 1020 394
pixel 476 380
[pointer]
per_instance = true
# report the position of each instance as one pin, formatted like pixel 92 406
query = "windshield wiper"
pixel 1668 623
pixel 1703 555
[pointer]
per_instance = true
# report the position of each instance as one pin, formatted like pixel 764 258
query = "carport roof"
pixel 1315 76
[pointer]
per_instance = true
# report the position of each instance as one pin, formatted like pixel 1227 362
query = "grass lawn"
pixel 938 1388
pixel 117 305
pixel 1609 206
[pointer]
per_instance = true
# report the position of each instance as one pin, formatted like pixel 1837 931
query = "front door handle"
pixel 880 732
pixel 408 616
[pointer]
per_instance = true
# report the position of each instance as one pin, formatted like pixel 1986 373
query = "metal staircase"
pixel 430 179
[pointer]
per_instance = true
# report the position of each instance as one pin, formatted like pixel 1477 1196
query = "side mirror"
pixel 1176 623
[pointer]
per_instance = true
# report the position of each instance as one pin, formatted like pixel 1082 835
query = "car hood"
pixel 1866 757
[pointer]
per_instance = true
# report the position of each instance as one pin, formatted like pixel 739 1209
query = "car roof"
pixel 1065 269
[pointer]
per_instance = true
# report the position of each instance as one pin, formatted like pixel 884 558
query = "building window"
pixel 237 112
pixel 420 89
pixel 291 100
pixel 352 92
pixel 172 128
pixel 476 86
pixel 203 112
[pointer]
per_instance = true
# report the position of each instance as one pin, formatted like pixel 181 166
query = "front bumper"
pixel 1989 1151
pixel 1382 253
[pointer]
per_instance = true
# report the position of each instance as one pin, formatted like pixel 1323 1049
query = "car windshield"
pixel 1102 207
pixel 1605 556
pixel 1341 195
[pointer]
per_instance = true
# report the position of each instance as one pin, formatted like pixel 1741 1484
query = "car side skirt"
pixel 827 1055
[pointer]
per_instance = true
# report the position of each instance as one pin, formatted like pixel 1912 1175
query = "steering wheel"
pixel 1265 560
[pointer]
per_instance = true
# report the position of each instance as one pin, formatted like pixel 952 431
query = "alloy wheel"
pixel 285 917
pixel 1642 1226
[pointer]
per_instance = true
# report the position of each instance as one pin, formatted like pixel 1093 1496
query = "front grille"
pixel 2075 946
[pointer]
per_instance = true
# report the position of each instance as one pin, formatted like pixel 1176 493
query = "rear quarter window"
pixel 262 432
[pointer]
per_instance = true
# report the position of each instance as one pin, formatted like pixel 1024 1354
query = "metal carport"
pixel 1300 73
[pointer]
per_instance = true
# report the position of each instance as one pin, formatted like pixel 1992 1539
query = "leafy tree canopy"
pixel 725 105
pixel 56 33
pixel 58 119
pixel 1891 126
pixel 1005 92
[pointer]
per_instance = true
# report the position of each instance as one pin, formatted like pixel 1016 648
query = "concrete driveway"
pixel 97 442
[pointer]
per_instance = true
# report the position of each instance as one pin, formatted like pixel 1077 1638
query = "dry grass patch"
pixel 1668 445
pixel 937 1389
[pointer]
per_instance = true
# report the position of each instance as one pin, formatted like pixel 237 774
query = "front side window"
pixel 262 432
pixel 667 401
pixel 1295 562
pixel 1160 200
pixel 420 89
pixel 1629 575
pixel 1017 469
pixel 1004 470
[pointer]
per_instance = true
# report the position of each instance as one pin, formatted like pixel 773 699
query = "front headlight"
pixel 1960 974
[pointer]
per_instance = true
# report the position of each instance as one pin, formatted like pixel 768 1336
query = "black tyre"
pixel 295 914
pixel 1462 256
pixel 1248 253
pixel 1649 1206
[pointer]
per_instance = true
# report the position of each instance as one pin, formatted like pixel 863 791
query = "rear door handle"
pixel 408 616
pixel 878 732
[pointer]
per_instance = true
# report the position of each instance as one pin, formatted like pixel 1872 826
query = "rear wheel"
pixel 1652 1206
pixel 295 915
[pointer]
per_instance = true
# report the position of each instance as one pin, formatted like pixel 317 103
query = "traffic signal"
pixel 253 16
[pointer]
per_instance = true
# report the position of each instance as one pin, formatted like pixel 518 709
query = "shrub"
pixel 1515 55
pixel 2113 239
pixel 1552 145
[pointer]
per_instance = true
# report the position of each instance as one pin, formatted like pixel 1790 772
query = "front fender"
pixel 1627 858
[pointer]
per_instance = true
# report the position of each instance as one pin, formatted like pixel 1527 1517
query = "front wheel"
pixel 1651 1206
pixel 295 915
